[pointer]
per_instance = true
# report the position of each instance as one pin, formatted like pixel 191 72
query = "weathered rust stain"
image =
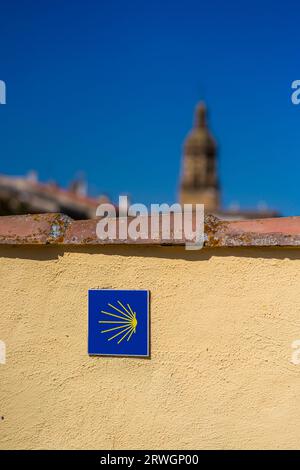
pixel 213 230
pixel 58 229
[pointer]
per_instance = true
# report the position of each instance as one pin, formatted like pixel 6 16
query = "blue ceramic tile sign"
pixel 118 322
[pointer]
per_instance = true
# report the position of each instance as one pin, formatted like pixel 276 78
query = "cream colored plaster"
pixel 220 376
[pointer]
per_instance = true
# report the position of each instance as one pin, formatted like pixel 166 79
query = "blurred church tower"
pixel 199 180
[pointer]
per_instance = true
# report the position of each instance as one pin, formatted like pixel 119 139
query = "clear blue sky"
pixel 109 88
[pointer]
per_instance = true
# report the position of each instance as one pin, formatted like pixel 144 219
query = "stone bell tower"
pixel 199 180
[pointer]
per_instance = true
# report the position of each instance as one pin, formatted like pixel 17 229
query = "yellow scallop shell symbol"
pixel 125 323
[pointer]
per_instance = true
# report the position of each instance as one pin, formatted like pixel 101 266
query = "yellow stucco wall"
pixel 220 376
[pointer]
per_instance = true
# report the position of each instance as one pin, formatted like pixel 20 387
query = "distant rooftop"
pixel 23 195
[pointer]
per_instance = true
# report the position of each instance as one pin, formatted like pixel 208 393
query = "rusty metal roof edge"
pixel 59 229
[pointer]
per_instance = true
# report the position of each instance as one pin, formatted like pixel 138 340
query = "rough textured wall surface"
pixel 220 376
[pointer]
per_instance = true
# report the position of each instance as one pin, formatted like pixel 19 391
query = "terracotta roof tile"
pixel 59 229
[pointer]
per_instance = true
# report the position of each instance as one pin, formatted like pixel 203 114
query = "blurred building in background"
pixel 199 184
pixel 24 195
pixel 199 179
